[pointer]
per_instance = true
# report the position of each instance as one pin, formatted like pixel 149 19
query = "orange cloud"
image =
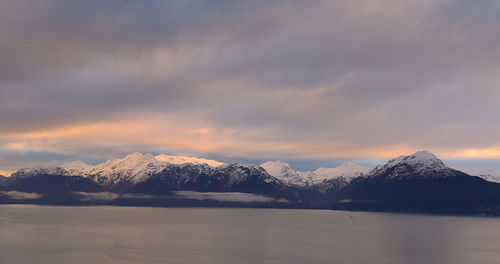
pixel 157 132
pixel 492 153
pixel 172 133
pixel 5 173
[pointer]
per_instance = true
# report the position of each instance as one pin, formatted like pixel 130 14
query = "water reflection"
pixel 32 234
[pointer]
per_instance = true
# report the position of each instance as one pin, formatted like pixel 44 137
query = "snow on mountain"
pixel 421 164
pixel 75 167
pixel 137 167
pixel 132 168
pixel 421 159
pixel 348 171
pixel 278 168
pixel 285 173
pixel 236 173
pixel 28 172
pixel 489 174
pixel 184 159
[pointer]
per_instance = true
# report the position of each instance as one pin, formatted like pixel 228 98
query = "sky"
pixel 313 83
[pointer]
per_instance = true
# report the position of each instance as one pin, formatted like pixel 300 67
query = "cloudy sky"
pixel 309 82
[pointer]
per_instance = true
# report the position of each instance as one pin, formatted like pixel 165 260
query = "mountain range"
pixel 415 183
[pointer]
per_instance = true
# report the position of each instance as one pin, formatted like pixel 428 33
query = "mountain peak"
pixel 351 165
pixel 423 158
pixel 276 167
pixel 75 166
pixel 185 159
pixel 138 156
pixel 277 162
pixel 347 170
pixel 284 172
pixel 134 167
pixel 423 155
pixel 421 163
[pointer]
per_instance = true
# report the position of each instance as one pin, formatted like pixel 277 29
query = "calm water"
pixel 36 234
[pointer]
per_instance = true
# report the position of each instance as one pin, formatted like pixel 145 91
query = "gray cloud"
pixel 421 74
pixel 100 196
pixel 140 196
pixel 227 197
pixel 21 195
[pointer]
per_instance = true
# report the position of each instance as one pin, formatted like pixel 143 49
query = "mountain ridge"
pixel 421 164
pixel 283 171
pixel 404 183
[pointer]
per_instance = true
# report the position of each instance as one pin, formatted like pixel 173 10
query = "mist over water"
pixel 46 234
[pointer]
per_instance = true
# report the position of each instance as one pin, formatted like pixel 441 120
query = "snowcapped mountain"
pixel 489 174
pixel 138 167
pixel 146 173
pixel 348 171
pixel 203 178
pixel 417 182
pixel 236 173
pixel 284 172
pixel 134 168
pixel 421 164
pixel 184 159
pixel 420 183
pixel 29 172
pixel 75 167
pixel 131 169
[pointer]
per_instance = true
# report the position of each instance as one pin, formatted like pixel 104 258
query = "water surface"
pixel 47 234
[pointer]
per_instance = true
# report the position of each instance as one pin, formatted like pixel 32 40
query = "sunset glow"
pixel 248 80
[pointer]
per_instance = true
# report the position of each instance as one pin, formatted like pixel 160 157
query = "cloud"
pixel 236 197
pixel 227 197
pixel 280 79
pixel 93 197
pixel 21 195
pixel 139 196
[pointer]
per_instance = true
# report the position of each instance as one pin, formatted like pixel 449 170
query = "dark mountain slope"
pixel 49 183
pixel 419 183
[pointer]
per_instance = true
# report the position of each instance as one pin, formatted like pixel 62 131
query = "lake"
pixel 51 234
